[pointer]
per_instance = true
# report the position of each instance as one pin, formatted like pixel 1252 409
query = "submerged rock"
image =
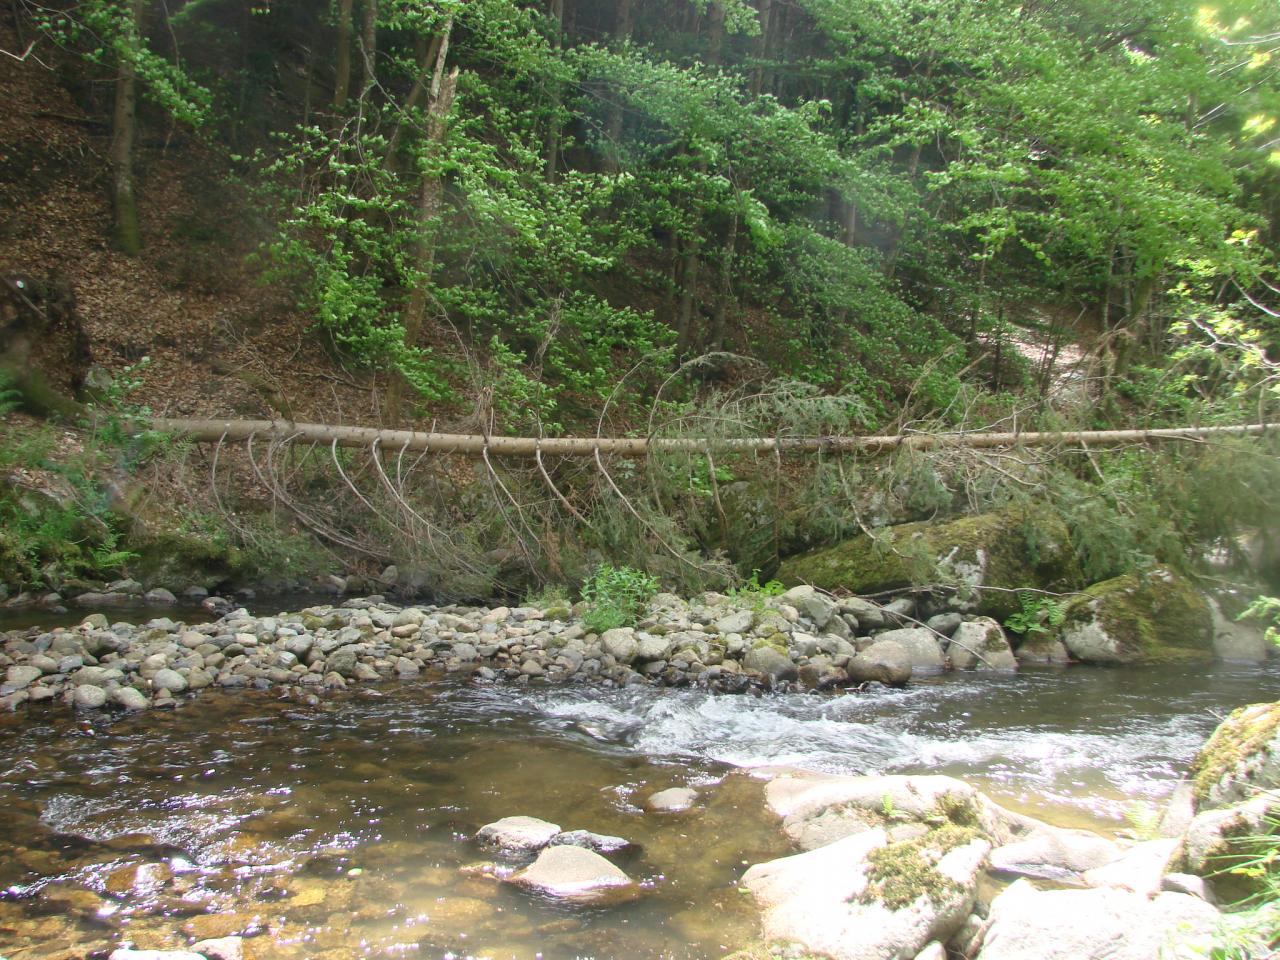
pixel 576 874
pixel 599 842
pixel 673 800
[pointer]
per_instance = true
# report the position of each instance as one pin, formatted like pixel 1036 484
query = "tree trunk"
pixel 427 54
pixel 715 42
pixel 124 205
pixel 342 82
pixel 613 119
pixel 430 208
pixel 238 431
pixel 762 48
pixel 551 147
pixel 715 340
pixel 688 284
pixel 368 53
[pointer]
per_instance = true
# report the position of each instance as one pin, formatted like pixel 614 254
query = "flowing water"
pixel 344 829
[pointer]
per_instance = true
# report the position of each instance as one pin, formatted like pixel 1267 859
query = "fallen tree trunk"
pixel 239 431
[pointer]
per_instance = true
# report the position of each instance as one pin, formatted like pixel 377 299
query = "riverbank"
pixel 800 640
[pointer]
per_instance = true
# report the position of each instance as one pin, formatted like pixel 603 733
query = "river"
pixel 344 830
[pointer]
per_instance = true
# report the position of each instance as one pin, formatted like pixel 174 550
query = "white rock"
pixel 89 697
pixel 518 833
pixel 1237 642
pixel 621 644
pixel 223 948
pixel 921 646
pixel 1103 924
pixel 169 680
pixel 574 873
pixel 981 645
pixel 815 899
pixel 1053 853
pixel 1139 869
pixel 129 698
pixel 673 800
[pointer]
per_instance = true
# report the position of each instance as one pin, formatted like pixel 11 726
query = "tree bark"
pixel 124 205
pixel 342 82
pixel 551 146
pixel 239 431
pixel 715 42
pixel 688 285
pixel 368 52
pixel 430 208
pixel 765 11
pixel 428 53
pixel 613 119
pixel 715 339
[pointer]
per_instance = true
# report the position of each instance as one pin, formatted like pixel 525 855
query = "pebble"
pixel 89 697
pixel 712 642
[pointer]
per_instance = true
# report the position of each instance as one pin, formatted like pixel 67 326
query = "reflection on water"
pixel 343 830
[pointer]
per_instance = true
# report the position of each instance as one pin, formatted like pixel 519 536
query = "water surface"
pixel 343 830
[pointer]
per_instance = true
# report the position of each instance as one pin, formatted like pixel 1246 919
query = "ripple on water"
pixel 343 830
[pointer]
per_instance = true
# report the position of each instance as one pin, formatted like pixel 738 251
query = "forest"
pixel 705 219
pixel 738 479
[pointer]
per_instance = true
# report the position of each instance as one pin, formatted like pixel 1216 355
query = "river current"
pixel 345 829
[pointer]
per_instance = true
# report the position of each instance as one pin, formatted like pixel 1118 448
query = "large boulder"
pixel 1221 845
pixel 1010 549
pixel 1241 757
pixel 1054 853
pixel 814 805
pixel 1157 616
pixel 981 644
pixel 921 646
pixel 884 662
pixel 1238 642
pixel 1102 924
pixel 866 897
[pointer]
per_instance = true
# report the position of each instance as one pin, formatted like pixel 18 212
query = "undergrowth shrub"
pixel 616 597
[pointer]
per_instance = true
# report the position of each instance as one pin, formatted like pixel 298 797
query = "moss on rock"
pixel 1157 616
pixel 1008 550
pixel 1240 758
pixel 901 873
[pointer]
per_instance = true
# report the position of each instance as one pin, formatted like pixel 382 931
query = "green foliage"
pixel 1251 928
pixel 755 595
pixel 616 597
pixel 1039 614
pixel 547 597
pixel 1268 609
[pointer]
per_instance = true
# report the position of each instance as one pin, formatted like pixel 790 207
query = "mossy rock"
pixel 1241 758
pixel 1152 617
pixel 1007 550
pixel 175 559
